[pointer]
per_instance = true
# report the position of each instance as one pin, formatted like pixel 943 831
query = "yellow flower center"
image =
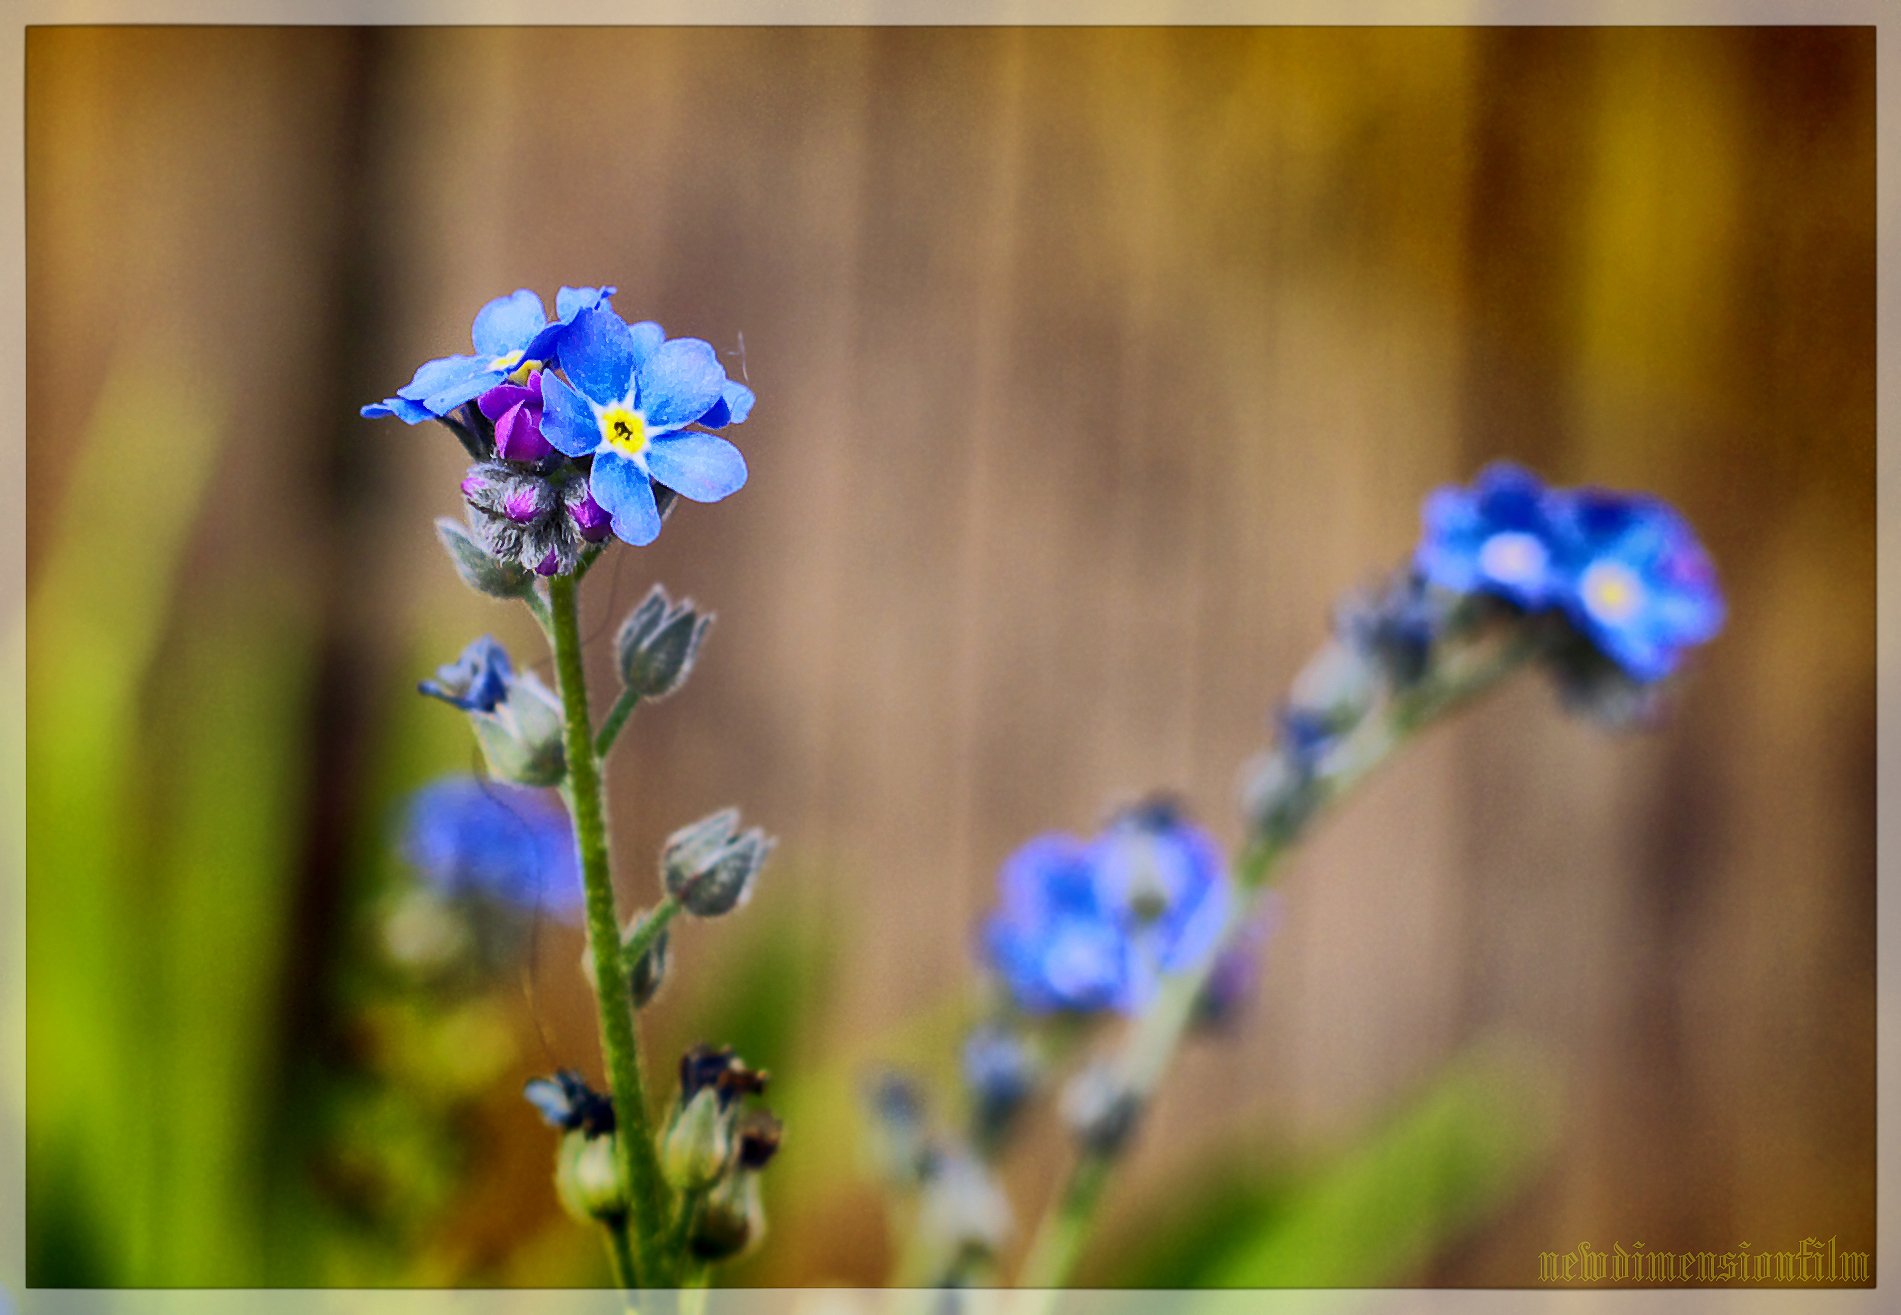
pixel 1612 592
pixel 520 371
pixel 623 430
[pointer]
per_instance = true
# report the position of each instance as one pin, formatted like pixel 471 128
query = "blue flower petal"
pixel 451 396
pixel 445 371
pixel 622 487
pixel 734 405
pixel 679 383
pixel 647 339
pixel 411 413
pixel 569 302
pixel 479 680
pixel 598 354
pixel 703 467
pixel 567 421
pixel 508 323
pixel 442 385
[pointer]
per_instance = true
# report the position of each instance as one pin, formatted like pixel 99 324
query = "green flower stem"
pixel 620 1250
pixel 1463 674
pixel 620 1043
pixel 647 933
pixel 616 718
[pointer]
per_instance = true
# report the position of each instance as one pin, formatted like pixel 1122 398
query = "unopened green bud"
pixel 521 738
pixel 731 1221
pixel 587 1176
pixel 709 869
pixel 698 1144
pixel 658 644
pixel 645 974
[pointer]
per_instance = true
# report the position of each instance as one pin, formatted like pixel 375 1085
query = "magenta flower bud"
pixel 549 565
pixel 591 518
pixel 472 484
pixel 516 411
pixel 522 506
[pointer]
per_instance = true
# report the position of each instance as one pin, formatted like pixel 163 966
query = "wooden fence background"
pixel 1093 364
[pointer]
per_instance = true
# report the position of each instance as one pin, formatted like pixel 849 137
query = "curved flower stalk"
pixel 1608 592
pixel 583 428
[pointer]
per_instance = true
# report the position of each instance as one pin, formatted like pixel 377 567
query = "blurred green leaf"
pixel 229 866
pixel 1374 1214
pixel 94 623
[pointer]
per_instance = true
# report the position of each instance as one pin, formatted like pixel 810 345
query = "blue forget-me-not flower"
pixel 1501 536
pixel 516 718
pixel 1644 589
pixel 512 336
pixel 477 681
pixel 1625 569
pixel 1055 941
pixel 1092 925
pixel 630 394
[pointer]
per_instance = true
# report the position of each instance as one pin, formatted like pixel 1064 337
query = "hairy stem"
pixel 616 718
pixel 620 1042
pixel 1158 1033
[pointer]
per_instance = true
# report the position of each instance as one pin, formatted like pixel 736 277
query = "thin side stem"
pixel 620 1042
pixel 647 933
pixel 1158 1033
pixel 616 718
pixel 620 1250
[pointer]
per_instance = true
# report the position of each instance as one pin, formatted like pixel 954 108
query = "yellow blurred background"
pixel 1093 365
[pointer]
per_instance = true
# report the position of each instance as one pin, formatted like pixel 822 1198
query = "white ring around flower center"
pixel 1513 557
pixel 1611 591
pixel 623 429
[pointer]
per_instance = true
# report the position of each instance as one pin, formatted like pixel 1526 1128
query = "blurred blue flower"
pixel 470 837
pixel 1166 879
pixel 1642 588
pixel 1502 536
pixel 1092 925
pixel 629 395
pixel 1624 568
pixel 512 335
pixel 1055 941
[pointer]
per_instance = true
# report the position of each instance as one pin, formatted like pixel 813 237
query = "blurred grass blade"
pixel 1378 1212
pixel 94 621
pixel 1384 1209
pixel 229 867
